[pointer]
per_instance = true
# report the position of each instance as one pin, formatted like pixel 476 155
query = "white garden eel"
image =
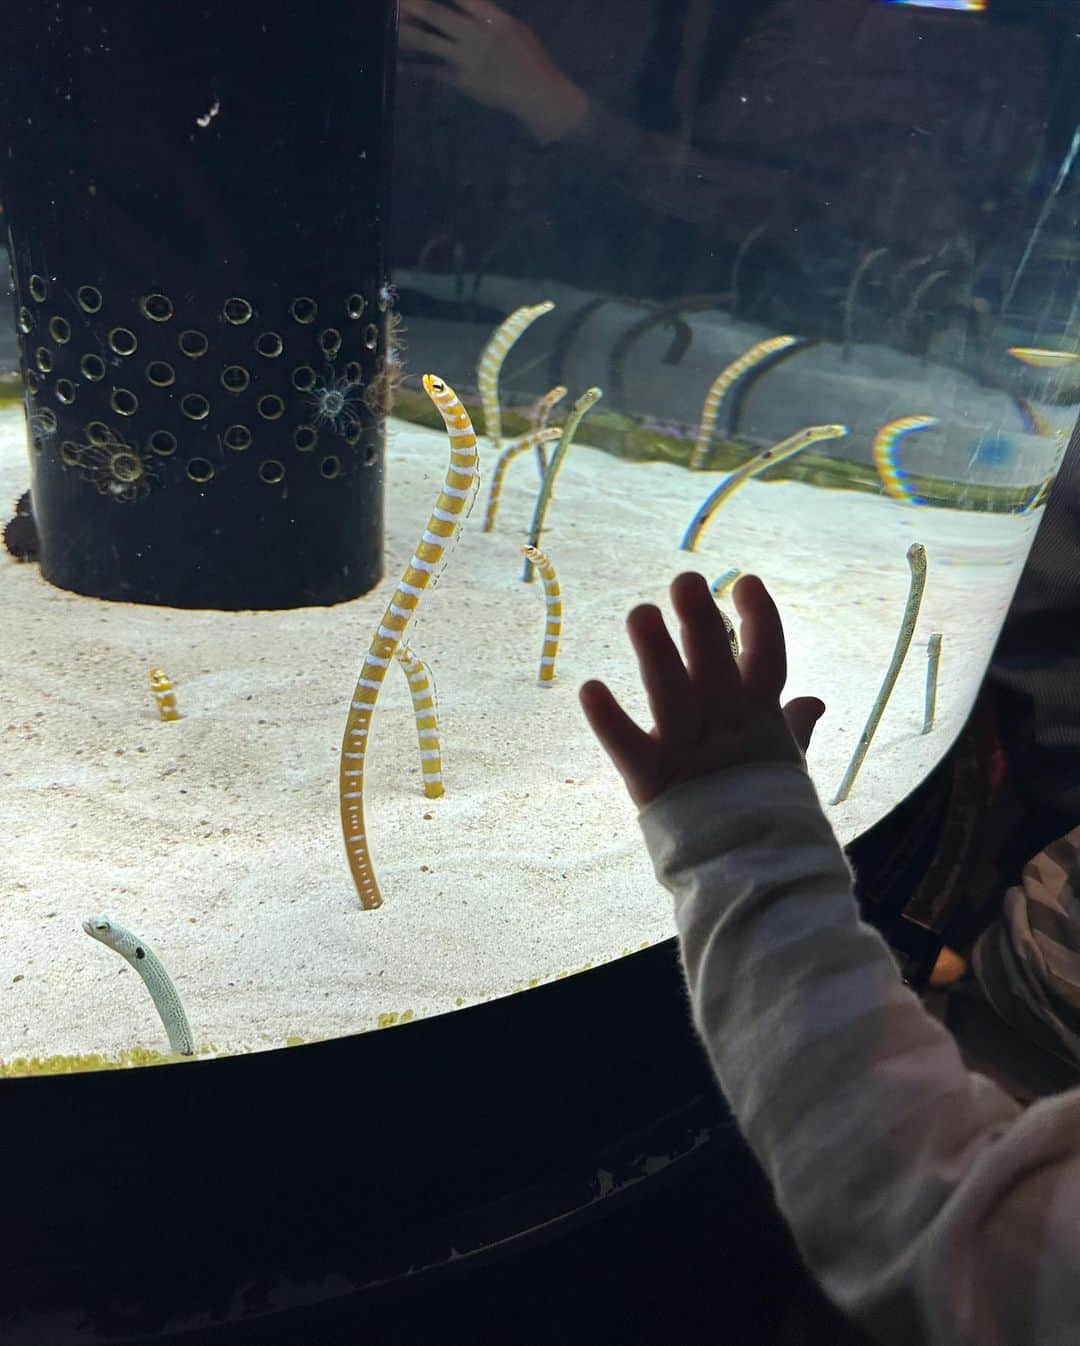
pixel 158 982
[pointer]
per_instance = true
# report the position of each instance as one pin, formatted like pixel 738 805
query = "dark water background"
pixel 739 163
pixel 833 129
pixel 894 182
pixel 782 142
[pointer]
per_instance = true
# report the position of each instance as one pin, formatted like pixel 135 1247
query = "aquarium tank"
pixel 361 369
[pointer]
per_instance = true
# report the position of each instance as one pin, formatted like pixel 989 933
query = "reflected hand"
pixel 713 711
pixel 496 60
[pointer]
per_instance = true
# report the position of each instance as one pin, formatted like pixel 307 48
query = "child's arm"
pixel 928 1205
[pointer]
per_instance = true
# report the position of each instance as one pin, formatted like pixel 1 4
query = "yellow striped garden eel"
pixel 164 695
pixel 553 629
pixel 541 412
pixel 884 450
pixel 157 981
pixel 724 382
pixel 723 582
pixel 1046 359
pixel 491 363
pixel 535 438
pixel 427 726
pixel 462 476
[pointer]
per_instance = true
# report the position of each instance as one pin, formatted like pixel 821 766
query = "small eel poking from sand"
pixel 553 627
pixel 588 399
pixel 787 448
pixel 158 982
pixel 164 694
pixel 916 559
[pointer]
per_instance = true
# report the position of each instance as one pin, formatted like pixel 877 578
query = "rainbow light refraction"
pixel 971 6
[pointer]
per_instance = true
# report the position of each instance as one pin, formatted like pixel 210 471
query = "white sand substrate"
pixel 217 838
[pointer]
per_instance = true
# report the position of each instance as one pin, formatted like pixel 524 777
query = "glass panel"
pixel 791 288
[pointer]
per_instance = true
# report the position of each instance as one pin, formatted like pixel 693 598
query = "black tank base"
pixel 245 540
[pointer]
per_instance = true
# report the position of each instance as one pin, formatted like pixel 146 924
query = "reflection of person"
pixel 497 61
pixel 1028 961
pixel 854 112
pixel 929 1205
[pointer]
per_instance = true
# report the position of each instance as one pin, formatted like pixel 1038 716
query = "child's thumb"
pixel 801 716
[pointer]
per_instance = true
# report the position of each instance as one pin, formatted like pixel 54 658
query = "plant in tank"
pixel 379 394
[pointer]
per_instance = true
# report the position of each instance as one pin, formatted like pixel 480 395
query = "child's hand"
pixel 713 711
pixel 496 60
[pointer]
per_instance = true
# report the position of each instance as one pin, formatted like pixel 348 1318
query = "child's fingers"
pixel 419 39
pixel 709 660
pixel 442 18
pixel 664 675
pixel 763 662
pixel 634 752
pixel 800 716
pixel 481 9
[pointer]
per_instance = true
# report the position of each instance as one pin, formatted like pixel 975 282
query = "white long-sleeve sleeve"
pixel 930 1207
